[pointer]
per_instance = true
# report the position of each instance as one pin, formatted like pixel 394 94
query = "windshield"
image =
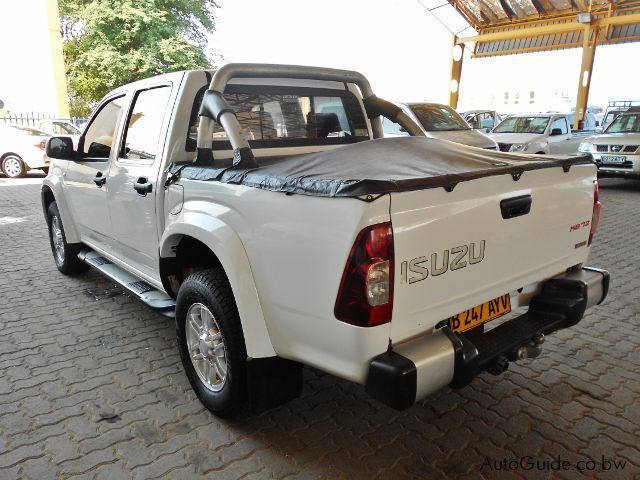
pixel 29 131
pixel 393 129
pixel 625 123
pixel 60 128
pixel 523 125
pixel 438 118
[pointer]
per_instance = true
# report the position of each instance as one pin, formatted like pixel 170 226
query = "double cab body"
pixel 259 206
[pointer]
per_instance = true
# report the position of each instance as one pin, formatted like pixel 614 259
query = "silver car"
pixel 442 122
pixel 22 149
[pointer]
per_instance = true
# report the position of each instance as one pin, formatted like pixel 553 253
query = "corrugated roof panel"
pixel 561 4
pixel 525 6
pixel 618 34
pixel 625 31
pixel 496 8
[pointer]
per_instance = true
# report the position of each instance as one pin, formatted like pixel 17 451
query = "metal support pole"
pixel 457 55
pixel 57 60
pixel 586 69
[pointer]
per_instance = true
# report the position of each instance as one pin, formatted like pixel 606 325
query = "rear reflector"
pixel 597 207
pixel 365 297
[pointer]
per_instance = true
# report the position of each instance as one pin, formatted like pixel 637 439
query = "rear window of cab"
pixel 274 116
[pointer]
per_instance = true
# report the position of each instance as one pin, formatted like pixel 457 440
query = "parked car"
pixel 227 199
pixel 60 127
pixel 617 149
pixel 439 121
pixel 615 108
pixel 484 120
pixel 541 133
pixel 590 122
pixel 22 149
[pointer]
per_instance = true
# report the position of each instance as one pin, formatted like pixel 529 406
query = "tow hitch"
pixel 530 350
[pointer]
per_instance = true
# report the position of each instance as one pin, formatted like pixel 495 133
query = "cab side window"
pixel 144 125
pixel 560 123
pixel 488 121
pixel 98 138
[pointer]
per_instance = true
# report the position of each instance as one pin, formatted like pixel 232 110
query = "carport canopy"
pixel 502 27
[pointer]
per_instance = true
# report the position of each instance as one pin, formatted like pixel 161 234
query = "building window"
pixel 532 97
pixel 506 98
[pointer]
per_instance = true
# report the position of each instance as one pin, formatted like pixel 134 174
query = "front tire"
pixel 65 255
pixel 211 342
pixel 13 166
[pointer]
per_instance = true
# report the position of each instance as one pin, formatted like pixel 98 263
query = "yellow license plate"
pixel 480 314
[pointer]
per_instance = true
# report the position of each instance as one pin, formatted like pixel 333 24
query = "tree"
pixel 108 43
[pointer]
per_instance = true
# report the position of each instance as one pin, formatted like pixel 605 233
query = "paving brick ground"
pixel 91 386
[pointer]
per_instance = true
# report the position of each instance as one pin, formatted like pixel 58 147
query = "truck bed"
pixel 375 167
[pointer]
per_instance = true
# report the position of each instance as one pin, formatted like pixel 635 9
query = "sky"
pixel 26 71
pixel 405 52
pixel 397 44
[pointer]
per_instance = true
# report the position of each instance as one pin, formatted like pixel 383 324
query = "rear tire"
pixel 211 342
pixel 65 255
pixel 13 166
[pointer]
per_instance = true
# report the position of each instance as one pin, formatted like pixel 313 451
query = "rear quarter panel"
pixel 296 247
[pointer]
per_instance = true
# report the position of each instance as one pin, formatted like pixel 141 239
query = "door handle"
pixel 143 186
pixel 99 179
pixel 516 206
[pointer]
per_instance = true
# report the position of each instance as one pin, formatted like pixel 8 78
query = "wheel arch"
pixel 213 243
pixel 6 154
pixel 49 193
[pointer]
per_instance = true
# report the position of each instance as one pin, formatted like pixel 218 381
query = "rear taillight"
pixel 597 207
pixel 365 297
pixel 41 144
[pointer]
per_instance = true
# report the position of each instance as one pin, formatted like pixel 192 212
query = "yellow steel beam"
pixel 55 43
pixel 584 80
pixel 457 55
pixel 566 27
pixel 618 20
pixel 523 32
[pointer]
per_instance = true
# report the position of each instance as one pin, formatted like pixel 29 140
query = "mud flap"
pixel 272 382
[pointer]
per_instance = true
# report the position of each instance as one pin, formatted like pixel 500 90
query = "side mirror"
pixel 556 131
pixel 98 150
pixel 60 148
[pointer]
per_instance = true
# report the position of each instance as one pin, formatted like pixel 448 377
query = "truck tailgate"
pixel 454 250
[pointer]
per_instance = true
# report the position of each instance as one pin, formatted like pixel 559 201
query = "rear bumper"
pixel 417 368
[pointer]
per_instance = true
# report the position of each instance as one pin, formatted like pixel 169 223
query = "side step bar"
pixel 148 294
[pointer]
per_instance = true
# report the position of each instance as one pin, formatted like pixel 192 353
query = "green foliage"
pixel 108 43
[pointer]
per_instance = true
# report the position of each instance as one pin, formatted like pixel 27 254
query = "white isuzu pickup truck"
pixel 259 205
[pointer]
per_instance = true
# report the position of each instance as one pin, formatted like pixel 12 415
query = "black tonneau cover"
pixel 376 167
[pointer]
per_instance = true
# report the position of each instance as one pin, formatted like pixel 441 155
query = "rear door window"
pixel 142 136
